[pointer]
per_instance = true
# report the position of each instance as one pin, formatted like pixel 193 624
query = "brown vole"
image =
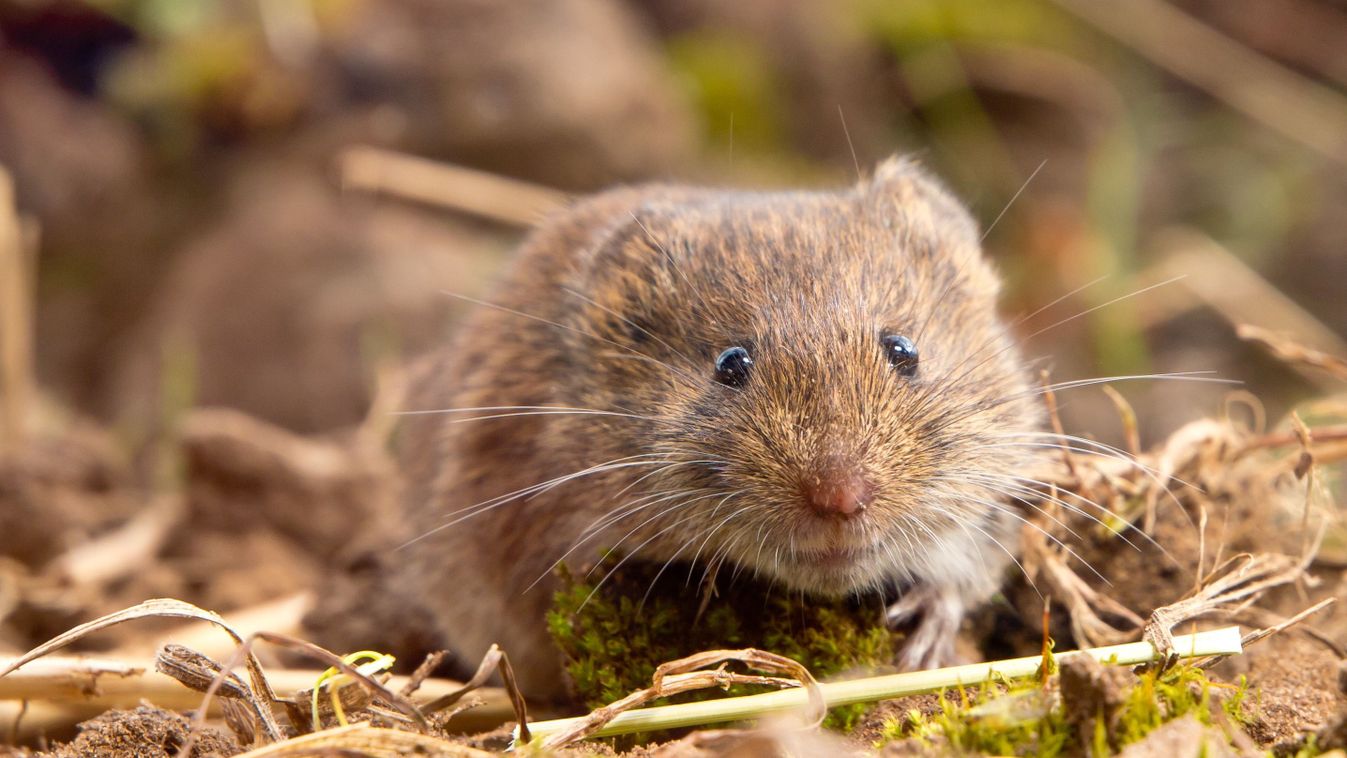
pixel 811 386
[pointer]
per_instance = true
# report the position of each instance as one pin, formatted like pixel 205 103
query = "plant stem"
pixel 1225 641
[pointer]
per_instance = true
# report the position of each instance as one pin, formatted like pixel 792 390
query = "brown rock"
pixel 567 92
pixel 1181 738
pixel 1092 691
pixel 286 308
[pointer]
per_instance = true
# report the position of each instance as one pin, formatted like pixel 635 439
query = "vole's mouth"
pixel 835 556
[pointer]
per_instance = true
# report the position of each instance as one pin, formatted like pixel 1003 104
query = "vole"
pixel 812 387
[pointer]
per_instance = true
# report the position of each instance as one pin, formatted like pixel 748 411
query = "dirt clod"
pixel 1183 736
pixel 145 732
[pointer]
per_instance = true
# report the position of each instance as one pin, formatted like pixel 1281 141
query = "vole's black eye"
pixel 732 367
pixel 901 353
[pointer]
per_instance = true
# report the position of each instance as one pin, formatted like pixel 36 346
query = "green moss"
pixel 732 81
pixel 613 640
pixel 1022 720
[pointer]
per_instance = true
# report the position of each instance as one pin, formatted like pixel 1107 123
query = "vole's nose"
pixel 837 488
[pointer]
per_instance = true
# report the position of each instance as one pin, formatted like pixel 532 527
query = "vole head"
pixel 826 374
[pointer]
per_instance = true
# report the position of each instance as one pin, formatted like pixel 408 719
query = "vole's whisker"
pixel 522 414
pixel 503 408
pixel 1011 512
pixel 626 321
pixel 572 329
pixel 634 506
pixel 1010 487
pixel 965 523
pixel 1126 524
pixel 711 531
pixel 1026 317
pixel 996 487
pixel 1074 444
pixel 659 515
pixel 624 511
pixel 1012 200
pixel 672 558
pixel 1114 301
pixel 486 505
pixel 1011 345
pixel 675 464
pixel 598 585
pixel 1150 473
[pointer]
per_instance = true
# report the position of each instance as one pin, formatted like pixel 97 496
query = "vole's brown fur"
pixel 599 348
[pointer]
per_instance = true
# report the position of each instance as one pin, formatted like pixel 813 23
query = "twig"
pixel 1225 641
pixel 497 198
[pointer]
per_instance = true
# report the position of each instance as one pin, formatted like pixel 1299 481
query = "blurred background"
pixel 209 226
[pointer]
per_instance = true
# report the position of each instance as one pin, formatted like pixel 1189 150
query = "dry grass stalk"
pixel 366 740
pixel 494 661
pixel 507 201
pixel 16 320
pixel 1200 466
pixel 89 566
pixel 1236 292
pixel 407 712
pixel 1292 352
pixel 90 685
pixel 244 651
pixel 1276 624
pixel 1299 108
pixel 261 693
pixel 284 615
pixel 1285 624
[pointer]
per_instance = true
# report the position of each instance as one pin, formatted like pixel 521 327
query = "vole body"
pixel 814 387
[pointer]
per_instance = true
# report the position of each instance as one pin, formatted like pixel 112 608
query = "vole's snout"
pixel 837 488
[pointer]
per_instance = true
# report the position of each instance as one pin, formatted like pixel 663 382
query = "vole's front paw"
pixel 933 615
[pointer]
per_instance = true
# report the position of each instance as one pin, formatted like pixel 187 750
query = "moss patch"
pixel 1026 719
pixel 613 638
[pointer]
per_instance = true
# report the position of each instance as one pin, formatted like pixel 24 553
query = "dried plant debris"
pixel 691 674
pixel 256 713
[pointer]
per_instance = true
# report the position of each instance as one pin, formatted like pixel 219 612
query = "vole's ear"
pixel 907 197
pixel 907 188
